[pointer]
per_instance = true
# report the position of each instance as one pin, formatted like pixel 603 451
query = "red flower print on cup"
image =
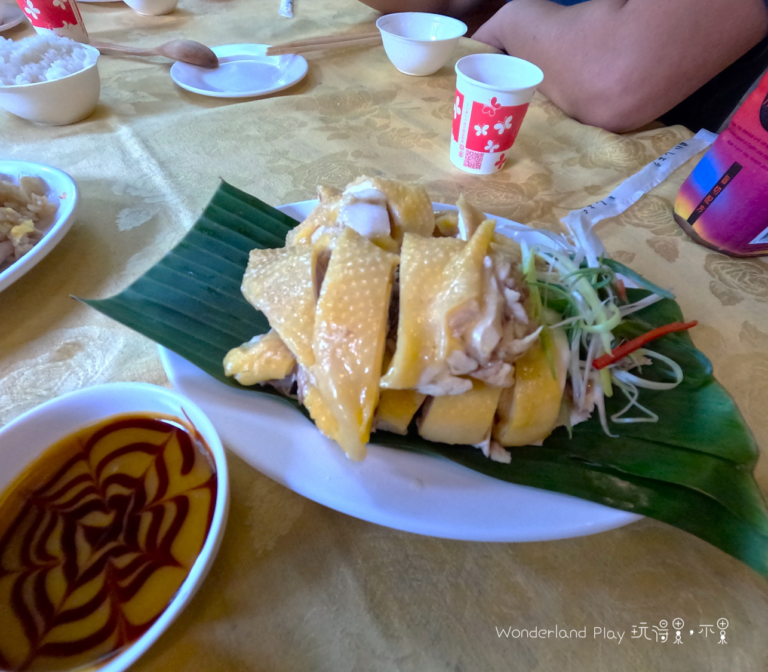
pixel 500 163
pixel 458 108
pixel 30 9
pixel 502 123
pixel 490 110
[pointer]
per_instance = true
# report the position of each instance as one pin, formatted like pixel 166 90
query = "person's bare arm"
pixel 619 64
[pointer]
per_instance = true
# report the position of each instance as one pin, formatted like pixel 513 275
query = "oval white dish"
pixel 405 491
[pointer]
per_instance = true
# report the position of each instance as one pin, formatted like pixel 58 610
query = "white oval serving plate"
pixel 28 436
pixel 245 71
pixel 62 191
pixel 405 491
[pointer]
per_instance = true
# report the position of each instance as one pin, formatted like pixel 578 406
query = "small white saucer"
pixel 10 16
pixel 244 71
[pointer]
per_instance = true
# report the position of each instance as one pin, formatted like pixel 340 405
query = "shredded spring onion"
pixel 674 367
pixel 584 293
pixel 632 393
pixel 629 384
pixel 639 305
pixel 600 403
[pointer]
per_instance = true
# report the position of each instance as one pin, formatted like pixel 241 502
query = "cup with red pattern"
pixel 492 96
pixel 61 17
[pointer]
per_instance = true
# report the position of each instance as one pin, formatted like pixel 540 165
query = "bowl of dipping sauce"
pixel 113 502
pixel 417 43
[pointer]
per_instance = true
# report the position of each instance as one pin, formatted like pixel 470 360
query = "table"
pixel 297 586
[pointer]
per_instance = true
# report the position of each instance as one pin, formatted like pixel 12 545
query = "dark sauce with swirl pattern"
pixel 97 536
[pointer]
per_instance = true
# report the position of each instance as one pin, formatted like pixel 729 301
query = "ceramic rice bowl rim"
pixel 18 87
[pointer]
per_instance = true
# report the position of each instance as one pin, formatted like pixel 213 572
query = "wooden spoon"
pixel 186 51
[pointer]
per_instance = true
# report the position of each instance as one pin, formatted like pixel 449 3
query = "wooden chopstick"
pixel 323 39
pixel 325 42
pixel 280 51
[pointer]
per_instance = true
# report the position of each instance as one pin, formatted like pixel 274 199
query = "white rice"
pixel 42 58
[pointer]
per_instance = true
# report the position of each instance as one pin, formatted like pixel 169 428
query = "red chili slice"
pixel 621 289
pixel 636 343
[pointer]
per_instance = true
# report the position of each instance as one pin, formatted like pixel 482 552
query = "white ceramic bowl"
pixel 62 192
pixel 58 102
pixel 152 7
pixel 417 43
pixel 28 436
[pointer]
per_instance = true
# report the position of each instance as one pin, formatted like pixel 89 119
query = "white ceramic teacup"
pixel 152 7
pixel 418 43
pixel 492 96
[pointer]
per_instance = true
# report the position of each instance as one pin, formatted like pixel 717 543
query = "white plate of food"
pixel 245 71
pixel 397 489
pixel 10 17
pixel 43 204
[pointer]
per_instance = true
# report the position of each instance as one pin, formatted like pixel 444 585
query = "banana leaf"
pixel 692 469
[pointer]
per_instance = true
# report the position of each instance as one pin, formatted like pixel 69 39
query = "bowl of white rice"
pixel 49 79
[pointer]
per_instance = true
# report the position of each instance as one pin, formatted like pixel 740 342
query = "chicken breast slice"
pixel 350 334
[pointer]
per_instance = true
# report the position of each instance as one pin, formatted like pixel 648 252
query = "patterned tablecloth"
pixel 297 586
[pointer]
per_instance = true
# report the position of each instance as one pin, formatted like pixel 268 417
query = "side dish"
pixel 22 208
pixel 97 536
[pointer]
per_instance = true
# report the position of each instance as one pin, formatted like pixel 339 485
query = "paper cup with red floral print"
pixel 55 16
pixel 492 96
